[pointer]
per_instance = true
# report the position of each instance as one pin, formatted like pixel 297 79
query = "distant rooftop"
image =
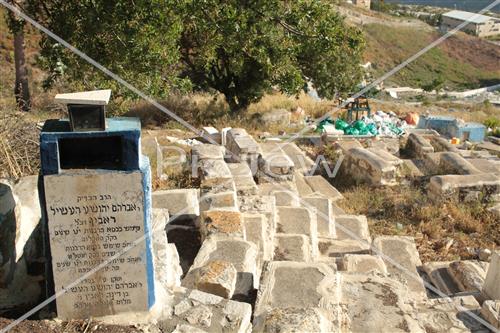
pixel 468 16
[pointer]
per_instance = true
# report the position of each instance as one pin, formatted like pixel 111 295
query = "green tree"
pixel 136 39
pixel 245 48
pixel 436 84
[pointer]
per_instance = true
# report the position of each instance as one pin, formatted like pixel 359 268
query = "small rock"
pixel 218 277
pixel 484 254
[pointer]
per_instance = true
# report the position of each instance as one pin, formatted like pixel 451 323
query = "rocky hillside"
pixel 463 61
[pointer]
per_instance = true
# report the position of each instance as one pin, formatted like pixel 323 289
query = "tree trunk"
pixel 21 89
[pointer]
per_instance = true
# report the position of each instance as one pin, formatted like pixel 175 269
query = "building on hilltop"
pixel 478 25
pixel 362 3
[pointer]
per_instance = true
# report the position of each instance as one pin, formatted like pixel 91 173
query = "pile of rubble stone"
pixel 273 236
pixel 279 255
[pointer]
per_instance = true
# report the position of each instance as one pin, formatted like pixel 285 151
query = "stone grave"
pixel 97 194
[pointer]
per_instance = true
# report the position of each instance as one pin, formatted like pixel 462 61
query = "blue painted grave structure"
pixel 97 194
pixel 454 128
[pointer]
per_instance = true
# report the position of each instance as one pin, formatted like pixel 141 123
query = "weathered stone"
pixel 298 220
pixel 464 187
pixel 441 278
pixel 352 227
pixel 214 172
pixel 287 284
pixel 227 223
pixel 321 185
pixel 242 146
pixel 22 254
pixel 388 157
pixel 255 225
pixel 165 257
pixel 266 205
pixel 303 189
pixel 453 163
pixel 240 253
pixel 402 259
pixel 441 144
pixel 211 134
pixel 333 248
pixel 292 247
pixel 182 204
pixel 302 163
pixel 276 117
pixel 491 312
pixel 216 277
pixel 243 178
pixel 490 287
pixel 207 152
pixel 363 263
pixel 411 169
pixel 484 165
pixel 457 314
pixel 346 145
pixel 468 275
pixel 197 311
pixel 324 214
pixel 274 164
pixel 269 188
pixel 372 303
pixel 218 201
pixel 364 166
pixel 418 145
pixel 293 320
pixel 286 198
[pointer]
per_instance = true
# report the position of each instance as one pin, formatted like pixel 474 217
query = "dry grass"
pixel 408 211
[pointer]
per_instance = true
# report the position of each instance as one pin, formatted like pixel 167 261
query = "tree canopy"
pixel 242 49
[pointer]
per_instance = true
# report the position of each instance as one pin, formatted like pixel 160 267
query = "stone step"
pixel 321 185
pixel 352 227
pixel 364 166
pixel 363 264
pixel 402 260
pixel 298 220
pixel 292 247
pixel 182 204
pixel 335 248
pixel 288 284
pixel 302 163
pixel 324 214
pixel 372 303
pixel 207 152
pixel 243 255
pixel 221 223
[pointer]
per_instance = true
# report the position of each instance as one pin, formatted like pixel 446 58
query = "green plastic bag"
pixel 359 125
pixel 341 124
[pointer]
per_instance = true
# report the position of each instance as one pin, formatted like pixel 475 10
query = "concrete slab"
pixel 302 163
pixel 464 187
pixel 303 189
pixel 286 198
pixel 214 172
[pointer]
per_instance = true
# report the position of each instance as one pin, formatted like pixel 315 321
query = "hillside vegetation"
pixel 464 62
